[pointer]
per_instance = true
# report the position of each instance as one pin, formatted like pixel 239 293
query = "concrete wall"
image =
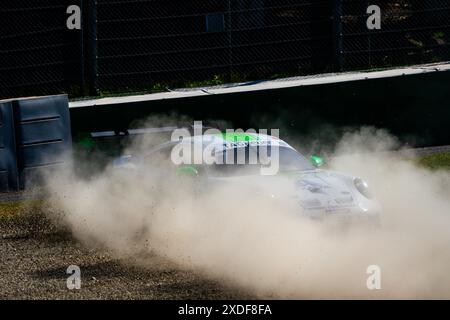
pixel 414 106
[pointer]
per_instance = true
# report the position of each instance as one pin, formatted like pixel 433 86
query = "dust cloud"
pixel 235 233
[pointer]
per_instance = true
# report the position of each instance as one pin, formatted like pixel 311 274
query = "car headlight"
pixel 362 187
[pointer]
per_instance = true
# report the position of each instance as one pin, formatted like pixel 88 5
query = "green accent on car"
pixel 187 170
pixel 317 161
pixel 87 143
pixel 238 136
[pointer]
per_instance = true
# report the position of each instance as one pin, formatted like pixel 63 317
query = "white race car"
pixel 318 193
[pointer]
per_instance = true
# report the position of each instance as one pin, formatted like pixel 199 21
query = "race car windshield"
pixel 289 160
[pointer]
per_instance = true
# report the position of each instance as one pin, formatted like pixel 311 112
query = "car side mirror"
pixel 187 171
pixel 317 161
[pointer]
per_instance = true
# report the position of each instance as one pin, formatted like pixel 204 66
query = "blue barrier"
pixel 35 135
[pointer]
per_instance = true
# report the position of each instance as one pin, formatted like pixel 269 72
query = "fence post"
pixel 91 46
pixel 230 43
pixel 337 35
pixel 82 58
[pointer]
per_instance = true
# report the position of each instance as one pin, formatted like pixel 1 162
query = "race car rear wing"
pixel 142 131
pixel 130 132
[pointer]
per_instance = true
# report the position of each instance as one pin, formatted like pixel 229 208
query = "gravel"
pixel 35 256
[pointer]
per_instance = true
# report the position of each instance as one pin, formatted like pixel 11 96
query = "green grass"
pixel 165 87
pixel 436 161
pixel 11 209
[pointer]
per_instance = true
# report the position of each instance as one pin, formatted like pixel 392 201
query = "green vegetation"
pixel 436 161
pixel 10 209
pixel 165 87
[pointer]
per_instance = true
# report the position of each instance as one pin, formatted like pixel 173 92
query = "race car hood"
pixel 323 189
pixel 315 189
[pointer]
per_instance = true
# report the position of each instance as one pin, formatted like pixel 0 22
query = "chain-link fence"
pixel 412 32
pixel 151 45
pixel 37 53
pixel 178 42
